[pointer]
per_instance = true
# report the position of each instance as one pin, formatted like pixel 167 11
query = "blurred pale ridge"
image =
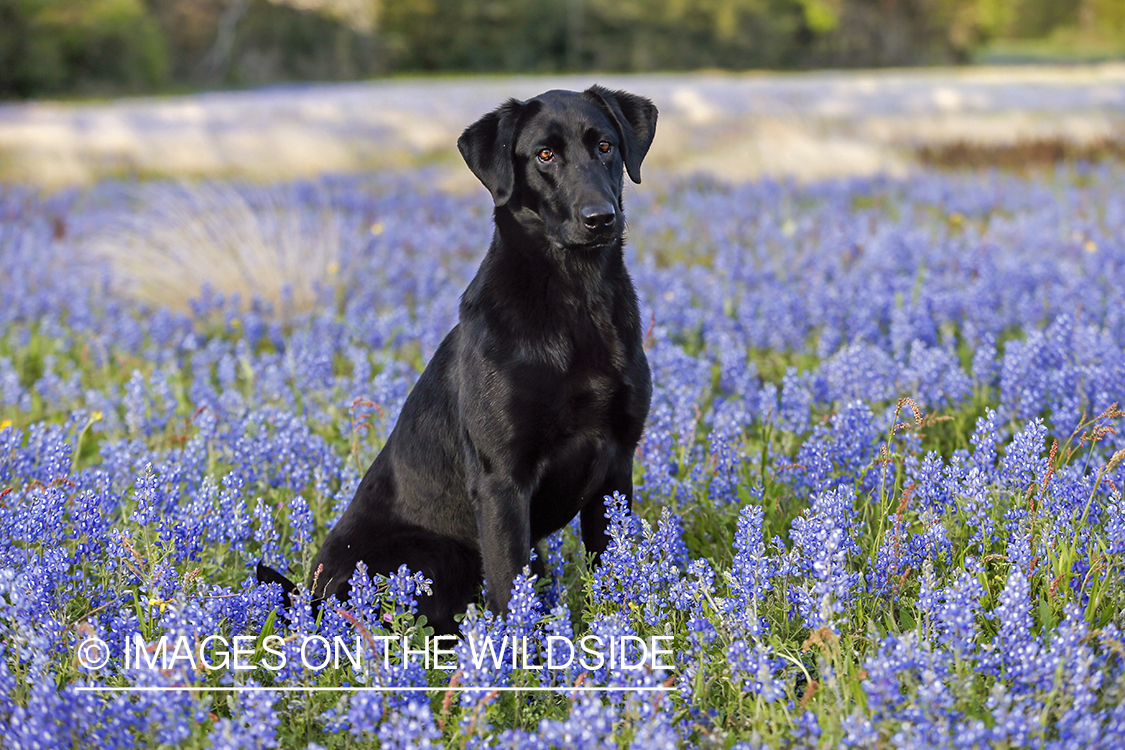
pixel 179 238
pixel 735 126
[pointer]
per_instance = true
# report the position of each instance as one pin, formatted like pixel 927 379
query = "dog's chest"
pixel 590 389
pixel 587 401
pixel 571 381
pixel 594 344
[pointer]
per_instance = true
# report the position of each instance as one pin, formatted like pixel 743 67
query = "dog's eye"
pixel 545 155
pixel 605 147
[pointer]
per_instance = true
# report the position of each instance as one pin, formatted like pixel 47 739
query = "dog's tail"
pixel 266 574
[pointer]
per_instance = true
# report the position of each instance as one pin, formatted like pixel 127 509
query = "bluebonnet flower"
pixel 1066 369
pixel 265 535
pixel 1016 648
pixel 955 617
pixel 984 440
pixel 411 726
pixel 232 521
pixel 807 728
pixel 1023 461
pixel 757 668
pixel 359 714
pixel 11 391
pixel 53 388
pixel 842 450
pixel 695 588
pixel 932 487
pixel 523 607
pixel 253 726
pixel 861 371
pixel 657 448
pixel 900 663
pixel 655 726
pixel 555 562
pixel 822 540
pixel 590 726
pixel 640 571
pixel 1014 721
pixel 482 638
pixel 795 403
pixel 723 487
pixel 1115 525
pixel 135 403
pixel 738 375
pixel 935 378
pixel 985 366
pixel 751 575
pixel 557 626
pixel 858 731
pixel 45 458
pixel 404 586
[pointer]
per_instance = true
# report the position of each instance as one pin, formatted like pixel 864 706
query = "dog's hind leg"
pixel 453 568
pixel 455 574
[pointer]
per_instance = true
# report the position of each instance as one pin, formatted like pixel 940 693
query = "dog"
pixel 531 409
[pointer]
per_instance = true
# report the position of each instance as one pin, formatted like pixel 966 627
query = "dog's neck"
pixel 532 274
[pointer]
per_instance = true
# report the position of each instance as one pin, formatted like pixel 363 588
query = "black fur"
pixel 531 409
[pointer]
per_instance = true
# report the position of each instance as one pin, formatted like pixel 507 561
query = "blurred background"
pixel 273 89
pixel 82 47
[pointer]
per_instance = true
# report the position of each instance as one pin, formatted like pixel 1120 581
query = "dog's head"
pixel 555 162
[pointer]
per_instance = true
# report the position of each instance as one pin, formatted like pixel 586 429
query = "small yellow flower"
pixel 5 423
pixel 333 268
pixel 96 417
pixel 377 228
pixel 156 602
pixel 1091 246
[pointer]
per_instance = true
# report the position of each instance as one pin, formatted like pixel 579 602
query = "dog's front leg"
pixel 504 525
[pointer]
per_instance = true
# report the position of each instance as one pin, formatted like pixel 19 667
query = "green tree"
pixel 49 46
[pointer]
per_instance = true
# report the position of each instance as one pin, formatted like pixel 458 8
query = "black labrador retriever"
pixel 531 409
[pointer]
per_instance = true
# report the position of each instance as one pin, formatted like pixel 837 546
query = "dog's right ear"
pixel 487 145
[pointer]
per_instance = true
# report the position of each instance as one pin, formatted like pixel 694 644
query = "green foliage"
pixel 51 46
pixel 110 46
pixel 277 42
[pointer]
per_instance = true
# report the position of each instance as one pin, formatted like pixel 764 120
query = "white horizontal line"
pixel 319 689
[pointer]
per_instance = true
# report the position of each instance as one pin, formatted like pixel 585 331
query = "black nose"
pixel 600 216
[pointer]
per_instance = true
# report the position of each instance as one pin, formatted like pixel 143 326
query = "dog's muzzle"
pixel 600 217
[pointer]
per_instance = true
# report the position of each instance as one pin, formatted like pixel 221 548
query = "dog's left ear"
pixel 635 118
pixel 487 145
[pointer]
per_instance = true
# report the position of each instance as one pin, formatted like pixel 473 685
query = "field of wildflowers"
pixel 879 498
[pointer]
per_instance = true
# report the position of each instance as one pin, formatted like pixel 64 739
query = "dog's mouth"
pixel 587 241
pixel 599 243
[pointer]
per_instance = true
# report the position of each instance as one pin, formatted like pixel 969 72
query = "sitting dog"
pixel 531 409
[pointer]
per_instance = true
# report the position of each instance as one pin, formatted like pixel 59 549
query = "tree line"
pixel 52 47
